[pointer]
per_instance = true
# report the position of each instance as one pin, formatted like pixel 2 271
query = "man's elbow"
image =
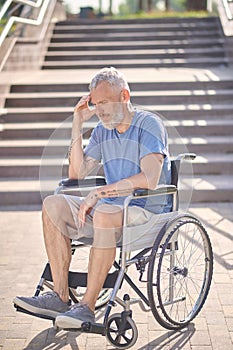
pixel 151 181
pixel 76 173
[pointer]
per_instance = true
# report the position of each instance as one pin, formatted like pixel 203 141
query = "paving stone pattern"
pixel 22 260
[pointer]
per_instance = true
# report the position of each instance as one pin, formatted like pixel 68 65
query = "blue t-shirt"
pixel 121 155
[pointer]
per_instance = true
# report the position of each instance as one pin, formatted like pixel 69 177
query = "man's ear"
pixel 125 95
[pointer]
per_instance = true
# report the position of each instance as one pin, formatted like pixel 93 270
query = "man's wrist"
pixel 97 193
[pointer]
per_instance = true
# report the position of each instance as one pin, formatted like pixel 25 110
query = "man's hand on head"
pixel 81 110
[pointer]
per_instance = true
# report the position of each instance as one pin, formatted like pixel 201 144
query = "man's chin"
pixel 109 126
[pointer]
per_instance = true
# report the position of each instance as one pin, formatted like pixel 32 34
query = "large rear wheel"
pixel 180 273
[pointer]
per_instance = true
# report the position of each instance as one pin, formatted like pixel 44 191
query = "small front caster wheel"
pixel 121 334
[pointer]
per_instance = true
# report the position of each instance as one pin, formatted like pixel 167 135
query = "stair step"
pixel 213 164
pixel 124 35
pixel 149 44
pixel 55 147
pixel 34 147
pixel 167 20
pixel 46 129
pixel 32 167
pixel 179 112
pixel 211 188
pixel 135 87
pixel 27 116
pixel 138 63
pixel 117 27
pixel 138 97
pixel 189 114
pixel 136 54
pixel 201 144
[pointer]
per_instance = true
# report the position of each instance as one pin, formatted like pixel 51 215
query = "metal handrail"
pixel 42 4
pixel 22 2
pixel 227 9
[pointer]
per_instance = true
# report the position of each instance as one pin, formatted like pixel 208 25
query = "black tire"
pixel 121 337
pixel 180 272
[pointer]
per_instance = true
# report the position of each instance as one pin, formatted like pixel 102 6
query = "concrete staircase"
pixel 36 121
pixel 190 42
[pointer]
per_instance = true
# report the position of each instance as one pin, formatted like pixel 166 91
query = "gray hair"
pixel 112 76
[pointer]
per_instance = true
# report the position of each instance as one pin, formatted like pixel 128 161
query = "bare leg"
pixel 107 223
pixel 100 262
pixel 57 245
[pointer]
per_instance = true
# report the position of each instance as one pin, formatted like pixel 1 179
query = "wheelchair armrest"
pixel 79 187
pixel 89 181
pixel 160 190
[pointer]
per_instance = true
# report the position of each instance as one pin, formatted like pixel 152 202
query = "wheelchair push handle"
pixel 185 156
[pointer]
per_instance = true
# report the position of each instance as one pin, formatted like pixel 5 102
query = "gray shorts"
pixel 136 216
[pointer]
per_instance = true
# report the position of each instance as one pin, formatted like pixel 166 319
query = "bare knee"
pixel 53 210
pixel 53 206
pixel 107 216
pixel 107 223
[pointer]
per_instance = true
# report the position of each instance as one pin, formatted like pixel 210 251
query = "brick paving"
pixel 22 260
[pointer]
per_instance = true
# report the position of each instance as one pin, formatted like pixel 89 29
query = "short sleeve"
pixel 153 137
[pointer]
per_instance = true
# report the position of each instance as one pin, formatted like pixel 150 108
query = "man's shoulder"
pixel 148 119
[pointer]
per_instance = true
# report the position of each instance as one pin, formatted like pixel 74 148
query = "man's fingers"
pixel 83 102
pixel 82 216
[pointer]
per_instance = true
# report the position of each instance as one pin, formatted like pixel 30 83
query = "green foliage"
pixel 163 14
pixel 130 7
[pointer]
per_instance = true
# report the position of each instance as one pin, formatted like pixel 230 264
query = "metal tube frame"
pixel 42 4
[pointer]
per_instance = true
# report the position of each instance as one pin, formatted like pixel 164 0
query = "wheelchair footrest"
pixel 20 309
pixel 88 327
pixel 97 328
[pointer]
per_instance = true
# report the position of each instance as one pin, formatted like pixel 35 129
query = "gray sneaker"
pixel 74 318
pixel 48 304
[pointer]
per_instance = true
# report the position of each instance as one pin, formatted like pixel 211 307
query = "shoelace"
pixel 78 305
pixel 47 295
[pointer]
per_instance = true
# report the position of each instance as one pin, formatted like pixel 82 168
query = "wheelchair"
pixel 172 253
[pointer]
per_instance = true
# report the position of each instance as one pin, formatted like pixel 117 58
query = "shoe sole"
pixel 35 310
pixel 66 322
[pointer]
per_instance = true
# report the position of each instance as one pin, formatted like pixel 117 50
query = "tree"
pixel 100 6
pixel 140 5
pixel 196 5
pixel 146 5
pixel 150 5
pixel 167 5
pixel 110 7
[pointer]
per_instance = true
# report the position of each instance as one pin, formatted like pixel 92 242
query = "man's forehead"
pixel 103 90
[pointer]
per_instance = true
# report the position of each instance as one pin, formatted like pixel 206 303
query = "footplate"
pixel 97 328
pixel 20 309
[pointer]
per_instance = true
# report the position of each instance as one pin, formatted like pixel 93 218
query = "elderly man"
pixel 132 146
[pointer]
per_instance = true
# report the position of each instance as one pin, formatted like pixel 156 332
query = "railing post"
pixel 209 6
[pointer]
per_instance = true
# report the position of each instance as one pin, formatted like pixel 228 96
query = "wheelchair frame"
pixel 181 248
